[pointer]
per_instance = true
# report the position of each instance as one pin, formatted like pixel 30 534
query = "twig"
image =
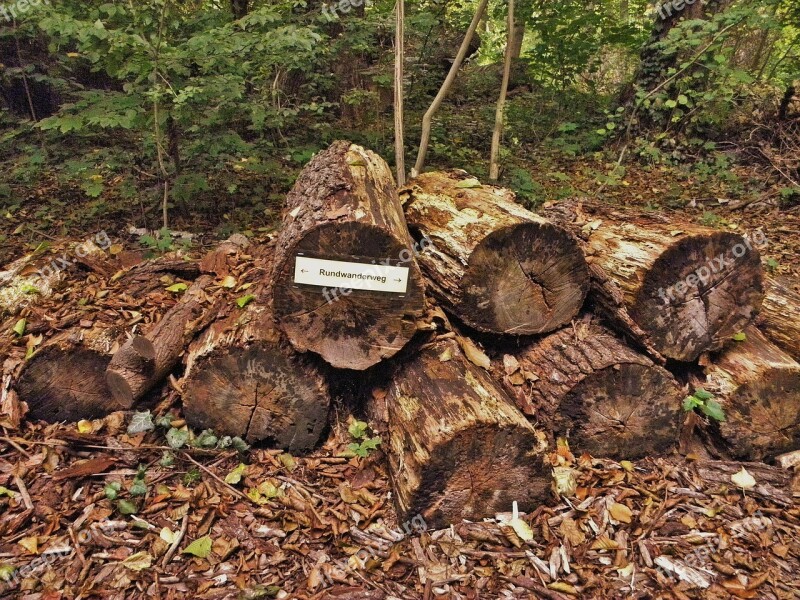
pixel 219 480
pixel 177 541
pixel 23 491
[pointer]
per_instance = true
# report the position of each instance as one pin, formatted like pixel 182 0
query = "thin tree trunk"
pixel 399 58
pixel 494 166
pixel 448 82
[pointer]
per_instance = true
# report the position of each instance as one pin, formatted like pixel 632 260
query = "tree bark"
pixel 497 266
pixel 427 119
pixel 145 360
pixel 494 164
pixel 676 289
pixel 758 386
pixel 65 379
pixel 458 448
pixel 780 314
pixel 345 207
pixel 586 384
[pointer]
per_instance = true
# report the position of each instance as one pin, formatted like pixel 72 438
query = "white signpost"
pixel 349 275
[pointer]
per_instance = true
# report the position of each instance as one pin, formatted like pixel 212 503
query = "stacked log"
pixel 145 360
pixel 457 447
pixel 584 384
pixel 780 314
pixel 244 379
pixel 758 387
pixel 498 267
pixel 344 207
pixel 678 290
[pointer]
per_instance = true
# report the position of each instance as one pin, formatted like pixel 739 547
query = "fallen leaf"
pixel 31 544
pixel 474 354
pixel 621 513
pixel 743 479
pixel 138 562
pixel 168 535
pixel 200 548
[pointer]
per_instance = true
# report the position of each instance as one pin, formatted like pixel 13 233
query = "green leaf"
pixel 141 422
pixel 19 328
pixel 206 439
pixel 670 103
pixel 245 300
pixel 138 488
pixel 111 490
pixel 4 491
pixel 358 429
pixel 235 476
pixel 178 287
pixel 682 99
pixel 7 572
pixel 126 507
pixel 200 548
pixel 177 438
pixel 690 403
pixel 288 461
pixel 701 394
pixel 739 337
pixel 239 444
pixel 167 460
pixel 468 183
pixel 713 409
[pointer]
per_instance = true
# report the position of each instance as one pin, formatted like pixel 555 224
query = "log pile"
pixel 584 322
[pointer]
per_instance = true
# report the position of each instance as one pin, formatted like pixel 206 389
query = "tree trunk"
pixel 780 314
pixel 499 119
pixel 495 265
pixel 243 379
pixel 144 361
pixel 344 207
pixel 758 386
pixel 457 447
pixel 65 379
pixel 677 289
pixel 585 383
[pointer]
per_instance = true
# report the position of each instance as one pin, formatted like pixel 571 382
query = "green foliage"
pixel 704 401
pixel 364 444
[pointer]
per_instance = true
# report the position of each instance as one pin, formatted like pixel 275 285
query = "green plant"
pixel 364 444
pixel 704 401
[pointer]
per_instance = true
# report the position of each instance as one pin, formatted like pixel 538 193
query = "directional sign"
pixel 350 275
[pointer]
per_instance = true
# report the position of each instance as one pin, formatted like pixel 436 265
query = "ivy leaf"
pixel 178 288
pixel 126 507
pixel 713 409
pixel 739 337
pixel 200 548
pixel 141 422
pixel 112 489
pixel 177 438
pixel 206 439
pixel 138 488
pixel 743 479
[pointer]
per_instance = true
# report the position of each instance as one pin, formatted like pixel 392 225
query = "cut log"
pixel 243 379
pixel 458 448
pixel 758 386
pixel 677 289
pixel 344 207
pixel 780 314
pixel 586 384
pixel 65 379
pixel 145 360
pixel 495 265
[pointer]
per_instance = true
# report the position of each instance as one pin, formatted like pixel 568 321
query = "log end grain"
pixel 260 393
pixel 525 279
pixel 698 293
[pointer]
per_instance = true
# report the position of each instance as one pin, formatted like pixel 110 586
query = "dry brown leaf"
pixel 620 512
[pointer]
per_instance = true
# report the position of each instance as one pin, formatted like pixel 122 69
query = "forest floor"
pixel 76 522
